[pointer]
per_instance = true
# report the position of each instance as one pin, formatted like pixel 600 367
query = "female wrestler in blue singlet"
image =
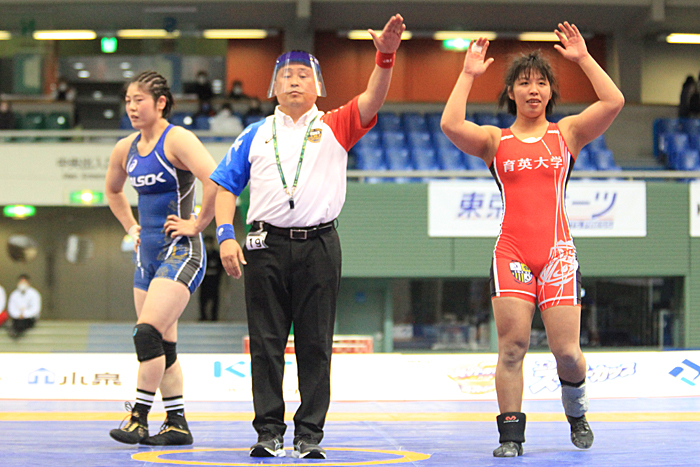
pixel 161 162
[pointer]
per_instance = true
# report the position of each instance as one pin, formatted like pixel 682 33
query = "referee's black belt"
pixel 295 233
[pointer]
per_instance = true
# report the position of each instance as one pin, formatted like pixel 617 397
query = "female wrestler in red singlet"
pixel 534 262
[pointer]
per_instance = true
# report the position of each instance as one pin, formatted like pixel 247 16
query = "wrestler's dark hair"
pixel 525 65
pixel 156 85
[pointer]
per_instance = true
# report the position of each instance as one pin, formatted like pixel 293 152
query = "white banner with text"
pixel 355 377
pixel 473 208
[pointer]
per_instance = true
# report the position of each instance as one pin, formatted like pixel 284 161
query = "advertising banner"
pixel 473 208
pixel 355 377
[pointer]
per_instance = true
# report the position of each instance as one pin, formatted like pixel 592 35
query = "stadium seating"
pixel 450 158
pixel 58 121
pixel 398 159
pixel 393 139
pixel 370 158
pixel 182 119
pixel 387 121
pixel 424 158
pixel 419 139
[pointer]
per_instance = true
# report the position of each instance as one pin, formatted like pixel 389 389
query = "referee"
pixel 295 162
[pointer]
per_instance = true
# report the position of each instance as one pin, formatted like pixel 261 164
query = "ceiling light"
pixel 234 34
pixel 363 35
pixel 444 35
pixel 538 37
pixel 683 38
pixel 5 35
pixel 147 34
pixel 65 35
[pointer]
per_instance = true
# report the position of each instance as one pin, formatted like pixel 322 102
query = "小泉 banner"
pixel 355 377
pixel 473 208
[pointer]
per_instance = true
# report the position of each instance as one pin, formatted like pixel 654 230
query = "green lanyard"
pixel 301 159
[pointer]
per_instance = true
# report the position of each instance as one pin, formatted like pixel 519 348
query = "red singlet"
pixel 534 258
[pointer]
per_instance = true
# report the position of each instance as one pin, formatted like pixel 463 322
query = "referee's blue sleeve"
pixel 233 172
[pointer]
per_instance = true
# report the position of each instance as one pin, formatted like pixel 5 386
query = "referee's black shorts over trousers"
pixel 292 281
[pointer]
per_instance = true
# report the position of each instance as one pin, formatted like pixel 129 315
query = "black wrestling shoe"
pixel 268 445
pixel 306 448
pixel 135 431
pixel 581 433
pixel 173 432
pixel 508 449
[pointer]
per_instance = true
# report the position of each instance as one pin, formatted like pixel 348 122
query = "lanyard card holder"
pixel 256 240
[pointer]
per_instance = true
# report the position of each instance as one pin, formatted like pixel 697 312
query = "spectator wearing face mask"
pixel 24 306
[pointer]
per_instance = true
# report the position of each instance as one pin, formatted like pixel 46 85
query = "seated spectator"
pixel 7 117
pixel 203 87
pixel 62 91
pixel 226 121
pixel 237 93
pixel 205 109
pixel 24 307
pixel 255 108
pixel 687 91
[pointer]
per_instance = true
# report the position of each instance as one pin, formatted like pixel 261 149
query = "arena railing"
pixel 101 136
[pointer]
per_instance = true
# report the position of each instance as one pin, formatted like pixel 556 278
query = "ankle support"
pixel 511 426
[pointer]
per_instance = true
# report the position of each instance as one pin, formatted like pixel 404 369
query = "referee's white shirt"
pixel 321 187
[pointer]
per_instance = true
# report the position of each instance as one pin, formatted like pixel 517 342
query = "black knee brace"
pixel 170 349
pixel 511 426
pixel 148 342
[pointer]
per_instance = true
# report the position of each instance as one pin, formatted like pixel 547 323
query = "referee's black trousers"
pixel 292 281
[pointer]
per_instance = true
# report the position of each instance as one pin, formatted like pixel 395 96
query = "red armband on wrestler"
pixel 385 60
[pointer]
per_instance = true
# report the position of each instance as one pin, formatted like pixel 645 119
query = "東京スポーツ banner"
pixel 473 208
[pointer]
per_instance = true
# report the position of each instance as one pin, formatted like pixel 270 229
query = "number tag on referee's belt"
pixel 256 240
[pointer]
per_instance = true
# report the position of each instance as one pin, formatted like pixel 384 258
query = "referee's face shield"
pixel 297 72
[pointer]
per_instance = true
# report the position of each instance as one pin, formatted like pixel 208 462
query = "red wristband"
pixel 385 60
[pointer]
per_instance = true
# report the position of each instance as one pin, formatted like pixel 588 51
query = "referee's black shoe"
pixel 135 431
pixel 269 445
pixel 581 433
pixel 173 432
pixel 306 448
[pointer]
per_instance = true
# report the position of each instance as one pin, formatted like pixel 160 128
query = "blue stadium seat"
pixel 690 125
pixel 661 127
pixel 555 117
pixel 393 139
pixel 250 119
pixel 182 119
pixel 424 159
pixel 201 122
pixel 370 158
pixel 442 141
pixel 474 163
pixel 583 160
pixel 598 144
pixel 372 138
pixel 688 159
pixel 419 139
pixel 450 158
pixel 485 118
pixel 398 159
pixel 672 144
pixel 388 121
pixel 505 120
pixel 433 122
pixel 604 160
pixel 414 122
